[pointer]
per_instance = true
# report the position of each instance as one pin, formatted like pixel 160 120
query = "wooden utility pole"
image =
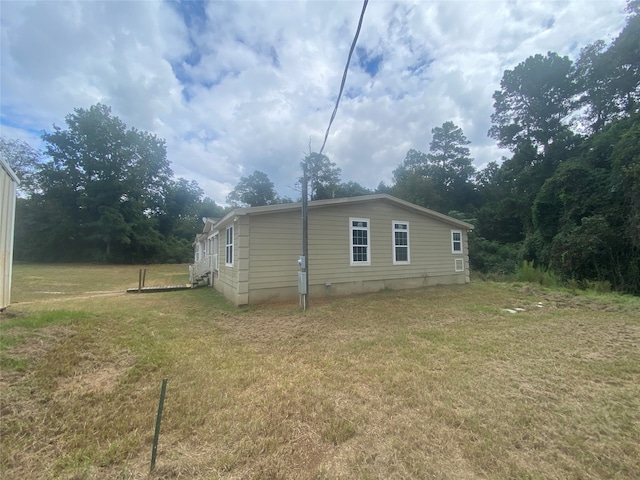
pixel 304 260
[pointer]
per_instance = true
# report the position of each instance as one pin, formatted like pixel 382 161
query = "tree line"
pixel 103 193
pixel 566 199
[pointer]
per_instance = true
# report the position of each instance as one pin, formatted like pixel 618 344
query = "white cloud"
pixel 238 87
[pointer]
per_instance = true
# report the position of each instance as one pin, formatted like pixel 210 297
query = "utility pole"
pixel 303 275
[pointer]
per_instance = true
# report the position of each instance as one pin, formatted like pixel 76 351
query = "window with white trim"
pixel 400 243
pixel 359 241
pixel 456 241
pixel 228 259
pixel 459 265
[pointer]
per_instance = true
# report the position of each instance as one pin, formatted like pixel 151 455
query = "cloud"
pixel 239 87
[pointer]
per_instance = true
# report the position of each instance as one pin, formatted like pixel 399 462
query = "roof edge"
pixel 283 207
pixel 9 171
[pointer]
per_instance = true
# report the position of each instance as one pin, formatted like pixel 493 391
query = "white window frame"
pixel 228 248
pixel 367 246
pixel 394 246
pixel 458 264
pixel 456 242
pixel 214 247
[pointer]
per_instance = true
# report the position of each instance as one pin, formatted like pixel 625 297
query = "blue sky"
pixel 245 86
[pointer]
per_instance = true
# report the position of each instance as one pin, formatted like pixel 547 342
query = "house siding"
pixel 226 280
pixel 275 245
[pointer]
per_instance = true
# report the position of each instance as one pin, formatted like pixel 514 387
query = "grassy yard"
pixel 439 382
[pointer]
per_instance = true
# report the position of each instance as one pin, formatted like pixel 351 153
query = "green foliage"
pixel 24 160
pixel 351 189
pixel 569 201
pixel 529 273
pixel 533 100
pixel 104 181
pixel 625 181
pixel 490 256
pixel 322 174
pixel 253 191
pixel 597 286
pixel 442 179
pixel 104 194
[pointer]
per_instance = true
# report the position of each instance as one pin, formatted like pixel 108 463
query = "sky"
pixel 235 87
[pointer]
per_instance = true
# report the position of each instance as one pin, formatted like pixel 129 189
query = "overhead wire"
pixel 344 75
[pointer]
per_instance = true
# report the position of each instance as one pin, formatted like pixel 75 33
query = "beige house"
pixel 8 185
pixel 355 245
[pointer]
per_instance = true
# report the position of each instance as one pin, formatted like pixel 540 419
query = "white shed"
pixel 8 185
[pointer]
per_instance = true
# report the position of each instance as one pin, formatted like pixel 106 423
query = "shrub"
pixel 530 273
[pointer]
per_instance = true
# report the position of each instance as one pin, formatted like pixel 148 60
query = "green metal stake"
pixel 158 420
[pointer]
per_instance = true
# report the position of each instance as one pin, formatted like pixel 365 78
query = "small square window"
pixel 459 265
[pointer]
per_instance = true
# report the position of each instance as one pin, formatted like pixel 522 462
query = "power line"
pixel 344 75
pixel 303 275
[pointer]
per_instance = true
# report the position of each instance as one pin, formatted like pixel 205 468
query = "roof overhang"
pixel 315 204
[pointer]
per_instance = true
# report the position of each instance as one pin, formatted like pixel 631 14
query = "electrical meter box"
pixel 302 283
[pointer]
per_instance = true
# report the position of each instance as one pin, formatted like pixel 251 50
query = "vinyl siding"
pixel 275 245
pixel 430 244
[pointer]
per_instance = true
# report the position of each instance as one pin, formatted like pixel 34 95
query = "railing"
pixel 203 267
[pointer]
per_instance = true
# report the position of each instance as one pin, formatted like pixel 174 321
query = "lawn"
pixel 439 382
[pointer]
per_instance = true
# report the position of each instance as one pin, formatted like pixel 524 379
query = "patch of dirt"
pixel 268 328
pixel 308 453
pixel 95 376
pixel 37 344
pixel 64 297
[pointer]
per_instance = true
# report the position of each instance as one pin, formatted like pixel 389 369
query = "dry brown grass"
pixel 432 383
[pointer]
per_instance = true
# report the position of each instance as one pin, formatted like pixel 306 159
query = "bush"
pixel 530 273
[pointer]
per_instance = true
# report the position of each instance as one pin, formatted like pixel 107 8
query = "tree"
pixel 351 189
pixel 533 101
pixel 451 167
pixel 449 155
pixel 625 160
pixel 593 72
pixel 255 190
pixel 609 77
pixel 107 184
pixel 625 51
pixel 440 179
pixel 412 182
pixel 322 174
pixel 585 216
pixel 178 212
pixel 24 160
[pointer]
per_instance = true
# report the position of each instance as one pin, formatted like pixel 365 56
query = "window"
pixel 459 265
pixel 359 231
pixel 228 259
pixel 456 241
pixel 400 243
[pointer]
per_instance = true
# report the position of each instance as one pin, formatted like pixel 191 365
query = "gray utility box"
pixel 302 283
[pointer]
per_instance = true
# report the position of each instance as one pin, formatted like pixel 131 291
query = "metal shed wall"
pixel 8 184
